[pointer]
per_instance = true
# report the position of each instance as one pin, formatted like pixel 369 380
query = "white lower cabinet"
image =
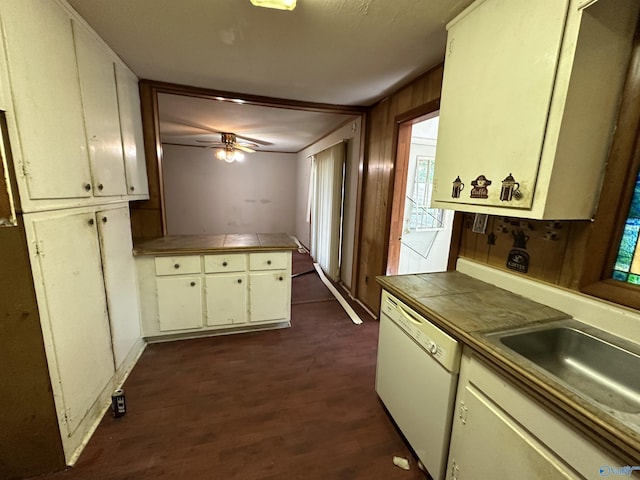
pixel 268 297
pixel 226 299
pixel 498 432
pixel 84 277
pixel 179 302
pixel 195 294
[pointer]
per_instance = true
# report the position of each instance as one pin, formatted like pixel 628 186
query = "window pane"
pixel 628 260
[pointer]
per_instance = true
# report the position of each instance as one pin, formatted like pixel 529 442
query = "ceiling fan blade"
pixel 243 148
pixel 199 126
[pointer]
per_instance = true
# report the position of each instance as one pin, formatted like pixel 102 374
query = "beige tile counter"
pixel 200 244
pixel 467 308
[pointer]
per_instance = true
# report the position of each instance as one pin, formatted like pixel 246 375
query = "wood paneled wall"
pixel 378 178
pixel 556 248
pixel 29 437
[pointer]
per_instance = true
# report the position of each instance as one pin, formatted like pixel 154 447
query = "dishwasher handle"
pixel 410 317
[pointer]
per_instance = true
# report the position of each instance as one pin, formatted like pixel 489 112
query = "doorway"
pixel 420 236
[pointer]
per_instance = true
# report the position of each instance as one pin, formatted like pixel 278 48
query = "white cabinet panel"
pixel 226 299
pixel 499 432
pixel 100 103
pixel 522 110
pixel 46 97
pixel 179 302
pixel 490 444
pixel 269 296
pixel 178 265
pixel 120 280
pixel 235 262
pixel 268 260
pixel 131 127
pixel 496 94
pixel 76 311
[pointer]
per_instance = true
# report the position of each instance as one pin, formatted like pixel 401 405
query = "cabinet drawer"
pixel 177 265
pixel 268 261
pixel 225 263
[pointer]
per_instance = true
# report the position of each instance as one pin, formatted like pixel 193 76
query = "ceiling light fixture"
pixel 229 154
pixel 277 4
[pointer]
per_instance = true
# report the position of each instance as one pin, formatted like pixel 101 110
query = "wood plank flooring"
pixel 296 403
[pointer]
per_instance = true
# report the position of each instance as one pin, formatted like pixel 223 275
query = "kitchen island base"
pixel 221 287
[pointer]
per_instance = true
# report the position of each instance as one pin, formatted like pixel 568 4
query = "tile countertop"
pixel 201 244
pixel 467 308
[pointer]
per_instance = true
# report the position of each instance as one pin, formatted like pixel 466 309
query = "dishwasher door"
pixel 418 392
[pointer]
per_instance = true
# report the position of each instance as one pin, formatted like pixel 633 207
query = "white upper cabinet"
pixel 527 114
pixel 100 102
pixel 73 110
pixel 131 124
pixel 50 142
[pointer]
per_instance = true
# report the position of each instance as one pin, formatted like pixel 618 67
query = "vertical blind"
pixel 326 208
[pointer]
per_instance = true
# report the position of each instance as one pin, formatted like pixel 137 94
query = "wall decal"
pixel 510 189
pixel 518 258
pixel 458 186
pixel 480 185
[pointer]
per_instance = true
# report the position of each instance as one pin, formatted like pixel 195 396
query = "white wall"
pixel 204 195
pixel 351 131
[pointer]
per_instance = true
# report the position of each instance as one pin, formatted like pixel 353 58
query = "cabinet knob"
pixel 239 280
pixel 104 219
pixel 132 188
pixel 193 284
pixel 100 187
pixel 91 221
pixel 176 265
pixel 224 264
pixel 280 278
pixel 87 186
pixel 268 262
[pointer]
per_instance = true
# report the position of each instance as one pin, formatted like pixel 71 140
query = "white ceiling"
pixel 342 52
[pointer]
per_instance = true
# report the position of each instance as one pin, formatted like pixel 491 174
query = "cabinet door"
pixel 488 443
pixel 498 80
pixel 179 302
pixel 120 280
pixel 131 129
pixel 269 296
pixel 46 97
pixel 226 299
pixel 71 276
pixel 100 103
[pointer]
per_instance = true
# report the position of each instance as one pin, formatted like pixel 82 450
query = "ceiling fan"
pixel 229 149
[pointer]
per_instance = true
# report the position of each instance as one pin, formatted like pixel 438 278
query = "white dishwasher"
pixel 416 379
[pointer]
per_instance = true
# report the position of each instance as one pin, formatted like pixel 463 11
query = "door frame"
pixel 402 144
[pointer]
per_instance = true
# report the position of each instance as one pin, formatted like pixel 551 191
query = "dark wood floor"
pixel 296 403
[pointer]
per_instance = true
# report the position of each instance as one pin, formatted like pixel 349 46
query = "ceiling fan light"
pixel 277 4
pixel 221 154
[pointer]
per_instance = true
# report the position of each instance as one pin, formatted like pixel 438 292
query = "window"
pixel 611 266
pixel 422 216
pixel 627 266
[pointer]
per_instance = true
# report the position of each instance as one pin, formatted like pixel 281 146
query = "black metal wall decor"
pixel 518 258
pixel 458 186
pixel 510 189
pixel 480 189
